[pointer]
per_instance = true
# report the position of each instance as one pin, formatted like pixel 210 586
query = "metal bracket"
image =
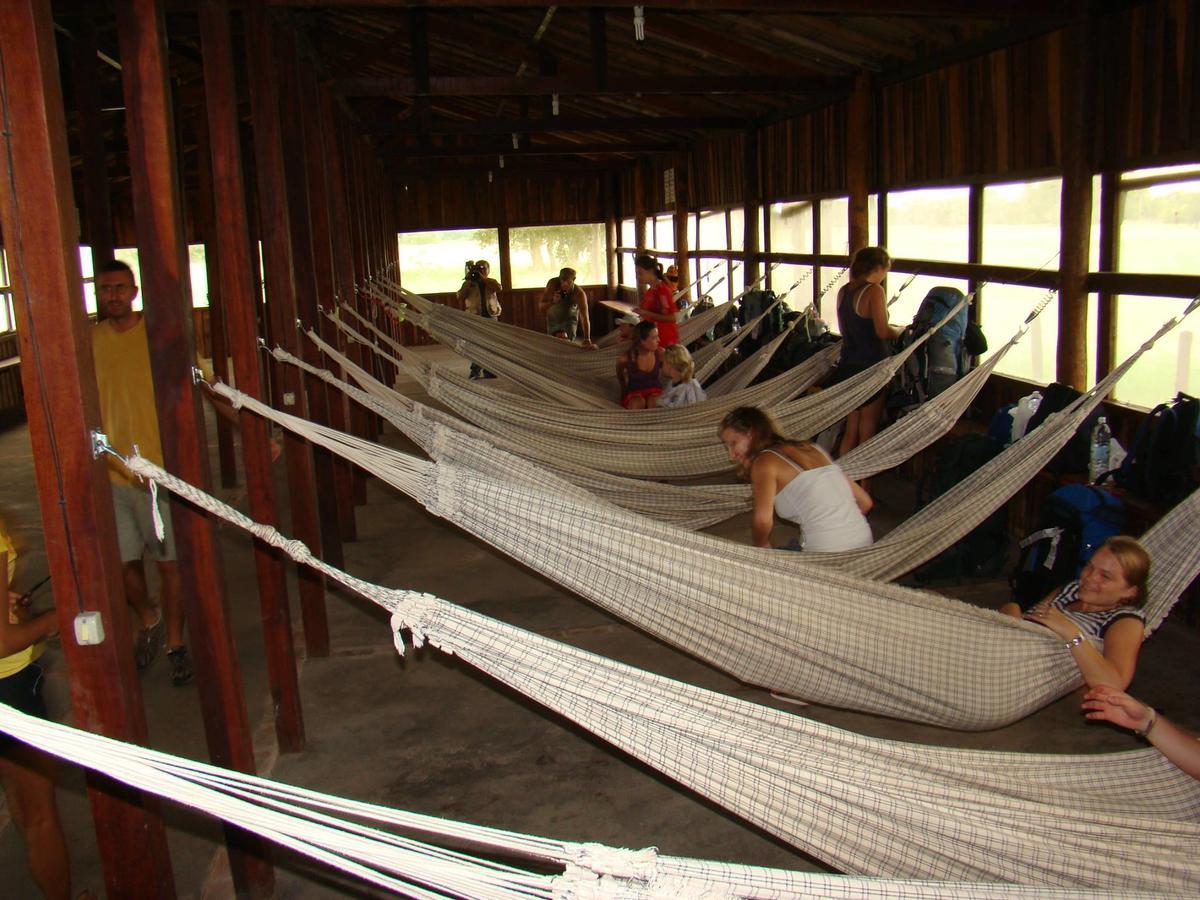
pixel 198 376
pixel 262 343
pixel 100 444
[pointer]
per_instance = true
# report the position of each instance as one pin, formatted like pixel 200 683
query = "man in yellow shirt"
pixel 122 359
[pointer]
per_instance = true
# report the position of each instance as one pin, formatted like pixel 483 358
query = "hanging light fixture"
pixel 502 160
pixel 639 23
pixel 554 104
pixel 516 143
pixel 489 176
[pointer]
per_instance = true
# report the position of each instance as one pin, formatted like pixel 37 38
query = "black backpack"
pixel 809 336
pixel 985 550
pixel 752 306
pixel 1075 520
pixel 1161 465
pixel 1073 457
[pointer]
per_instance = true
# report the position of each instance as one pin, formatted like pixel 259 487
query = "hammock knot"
pixel 617 862
pixel 417 614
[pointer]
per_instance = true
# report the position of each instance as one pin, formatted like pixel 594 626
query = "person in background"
pixel 862 317
pixel 1099 616
pixel 121 354
pixel 565 306
pixel 658 301
pixel 797 481
pixel 639 371
pixel 478 285
pixel 26 773
pixel 681 296
pixel 684 388
pixel 1104 702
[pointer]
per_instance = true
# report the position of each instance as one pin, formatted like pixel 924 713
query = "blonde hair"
pixel 1134 562
pixel 677 357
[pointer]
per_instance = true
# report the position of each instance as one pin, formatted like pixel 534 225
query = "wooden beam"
pixel 1106 312
pixel 1076 206
pixel 859 137
pixel 85 77
pixel 287 387
pixel 557 149
pixel 751 208
pixel 206 227
pixel 682 263
pixel 598 34
pixel 1143 285
pixel 937 8
pixel 304 253
pixel 562 125
pixel 545 85
pixel 37 214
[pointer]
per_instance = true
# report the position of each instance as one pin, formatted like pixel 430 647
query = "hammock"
pixel 863 805
pixel 655 443
pixel 691 507
pixel 349 835
pixel 768 618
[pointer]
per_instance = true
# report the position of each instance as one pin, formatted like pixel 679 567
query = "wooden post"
pixel 304 253
pixel 975 247
pixel 207 226
pixel 751 211
pixel 858 129
pixel 1106 313
pixel 37 214
pixel 639 204
pixel 162 249
pixel 612 224
pixel 239 291
pixel 1076 214
pixel 682 263
pixel 97 213
pixel 323 268
pixel 287 386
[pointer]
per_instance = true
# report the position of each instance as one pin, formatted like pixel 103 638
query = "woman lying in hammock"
pixel 1100 616
pixel 798 481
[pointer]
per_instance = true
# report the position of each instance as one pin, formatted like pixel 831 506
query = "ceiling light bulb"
pixel 489 176
pixel 502 160
pixel 639 23
pixel 516 143
pixel 554 104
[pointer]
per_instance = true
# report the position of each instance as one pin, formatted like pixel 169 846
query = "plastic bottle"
pixel 1098 460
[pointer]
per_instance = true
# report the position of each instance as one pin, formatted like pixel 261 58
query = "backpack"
pixel 985 550
pixel 808 337
pixel 751 308
pixel 1073 457
pixel 1161 465
pixel 1075 520
pixel 942 359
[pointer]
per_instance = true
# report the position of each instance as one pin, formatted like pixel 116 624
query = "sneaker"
pixel 181 666
pixel 149 642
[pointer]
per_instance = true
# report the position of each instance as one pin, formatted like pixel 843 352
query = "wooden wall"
pixel 469 200
pixel 718 171
pixel 804 155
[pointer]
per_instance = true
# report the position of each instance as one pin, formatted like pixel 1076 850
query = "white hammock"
pixel 769 618
pixel 350 836
pixel 863 805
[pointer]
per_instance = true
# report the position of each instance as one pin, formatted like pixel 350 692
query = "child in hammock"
pixel 640 370
pixel 684 388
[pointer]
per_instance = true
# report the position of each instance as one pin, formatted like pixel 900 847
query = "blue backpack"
pixel 1075 520
pixel 943 359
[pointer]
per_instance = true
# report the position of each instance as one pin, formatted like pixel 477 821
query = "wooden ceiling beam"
pixel 507 151
pixel 995 9
pixel 559 124
pixel 721 46
pixel 492 86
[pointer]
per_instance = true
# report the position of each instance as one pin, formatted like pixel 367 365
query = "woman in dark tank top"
pixel 862 318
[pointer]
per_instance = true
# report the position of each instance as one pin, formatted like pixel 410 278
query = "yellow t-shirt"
pixel 122 360
pixel 11 665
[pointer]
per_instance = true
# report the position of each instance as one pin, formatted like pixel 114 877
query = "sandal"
pixel 149 642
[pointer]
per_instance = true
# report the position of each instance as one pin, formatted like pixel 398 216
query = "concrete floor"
pixel 429 735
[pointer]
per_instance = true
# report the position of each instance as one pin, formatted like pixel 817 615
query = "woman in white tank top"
pixel 797 481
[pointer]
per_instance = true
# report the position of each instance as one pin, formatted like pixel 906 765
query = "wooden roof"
pixel 470 81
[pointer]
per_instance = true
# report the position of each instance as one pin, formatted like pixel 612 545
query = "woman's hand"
pixel 1052 618
pixel 1107 703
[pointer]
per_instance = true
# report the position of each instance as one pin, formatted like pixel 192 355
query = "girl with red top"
pixel 658 303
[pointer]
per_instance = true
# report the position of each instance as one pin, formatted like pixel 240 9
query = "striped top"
pixel 1092 624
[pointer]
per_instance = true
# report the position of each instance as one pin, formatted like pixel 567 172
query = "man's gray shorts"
pixel 135 526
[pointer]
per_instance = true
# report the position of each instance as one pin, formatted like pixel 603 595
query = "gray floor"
pixel 429 735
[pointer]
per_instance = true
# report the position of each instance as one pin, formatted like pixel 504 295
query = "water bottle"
pixel 1098 460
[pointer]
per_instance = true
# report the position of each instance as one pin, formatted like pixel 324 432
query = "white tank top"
pixel 820 501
